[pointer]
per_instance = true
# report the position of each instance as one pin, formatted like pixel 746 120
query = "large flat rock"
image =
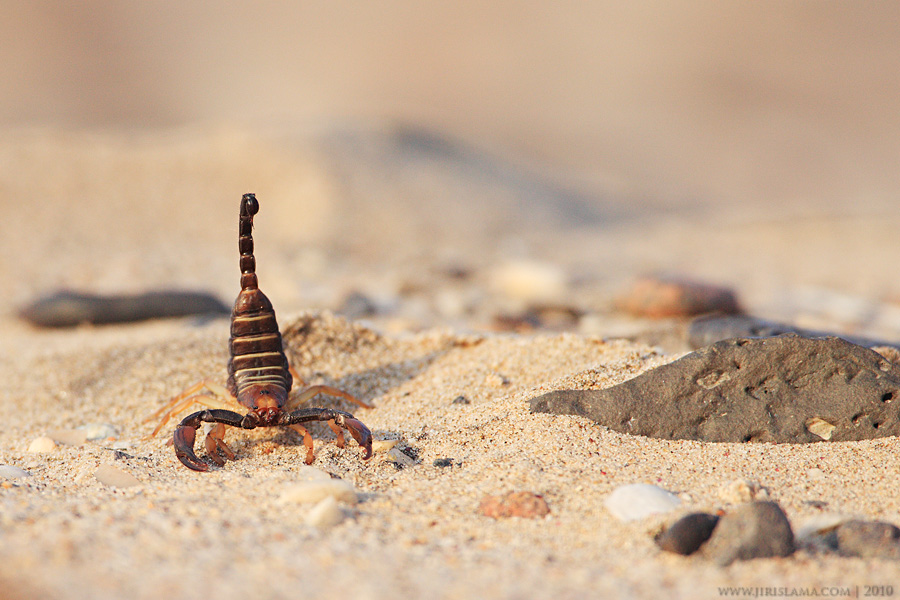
pixel 786 389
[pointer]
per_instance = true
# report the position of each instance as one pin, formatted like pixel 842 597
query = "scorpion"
pixel 259 378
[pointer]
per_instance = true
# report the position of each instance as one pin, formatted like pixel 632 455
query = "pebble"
pixel 526 505
pixel 318 490
pixel 325 514
pixel 443 462
pixel 869 539
pixel 401 458
pixel 529 282
pixel 639 500
pixel 307 473
pixel 741 491
pixel 357 305
pixel 754 530
pixel 11 472
pixel 383 445
pixel 99 431
pixel 42 444
pixel 820 427
pixel 461 400
pixel 69 437
pixel 659 297
pixel 116 477
pixel 687 534
pixel 820 526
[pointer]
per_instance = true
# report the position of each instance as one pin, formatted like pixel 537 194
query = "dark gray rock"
pixel 69 309
pixel 754 530
pixel 869 539
pixel 786 389
pixel 687 534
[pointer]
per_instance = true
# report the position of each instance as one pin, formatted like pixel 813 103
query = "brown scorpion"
pixel 259 378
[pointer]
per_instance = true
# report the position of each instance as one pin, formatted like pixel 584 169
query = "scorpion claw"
pixel 184 448
pixel 361 434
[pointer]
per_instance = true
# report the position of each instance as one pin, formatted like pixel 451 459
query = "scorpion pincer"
pixel 259 378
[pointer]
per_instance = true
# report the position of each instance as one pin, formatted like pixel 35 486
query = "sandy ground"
pixel 425 232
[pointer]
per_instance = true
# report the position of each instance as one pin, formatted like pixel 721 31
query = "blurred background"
pixel 752 144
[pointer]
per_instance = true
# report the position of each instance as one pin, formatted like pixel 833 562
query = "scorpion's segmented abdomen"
pixel 257 353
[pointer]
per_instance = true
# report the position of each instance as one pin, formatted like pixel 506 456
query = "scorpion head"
pixel 266 402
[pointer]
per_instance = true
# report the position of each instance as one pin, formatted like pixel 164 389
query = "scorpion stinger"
pixel 259 377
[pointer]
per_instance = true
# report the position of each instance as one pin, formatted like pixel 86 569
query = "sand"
pixel 114 213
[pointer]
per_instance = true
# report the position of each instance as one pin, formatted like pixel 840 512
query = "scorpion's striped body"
pixel 257 354
pixel 259 377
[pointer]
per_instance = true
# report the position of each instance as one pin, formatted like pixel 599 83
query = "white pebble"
pixel 530 281
pixel 307 473
pixel 316 491
pixel 325 514
pixel 639 500
pixel 820 427
pixel 740 491
pixel 99 431
pixel 11 472
pixel 383 445
pixel 815 474
pixel 42 444
pixel 819 524
pixel 116 477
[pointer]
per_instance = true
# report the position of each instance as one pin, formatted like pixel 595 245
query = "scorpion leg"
pixel 311 391
pixel 338 434
pixel 307 441
pixel 186 433
pixel 357 429
pixel 205 393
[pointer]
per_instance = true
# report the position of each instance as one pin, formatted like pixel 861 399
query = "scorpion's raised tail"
pixel 249 207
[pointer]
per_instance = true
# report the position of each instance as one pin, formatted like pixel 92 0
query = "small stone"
pixel 383 445
pixel 325 514
pixel 400 458
pixel 529 282
pixel 318 490
pixel 754 530
pixel 307 473
pixel 526 505
pixel 116 477
pixel 822 525
pixel 869 539
pixel 41 445
pixel 638 500
pixel 820 427
pixel 741 491
pixel 889 352
pixel 11 472
pixel 99 431
pixel 661 297
pixel 496 380
pixel 69 437
pixel 357 305
pixel 687 534
pixel 815 474
pixel 443 462
pixel 461 400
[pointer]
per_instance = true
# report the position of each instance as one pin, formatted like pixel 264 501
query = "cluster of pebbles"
pixel 753 527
